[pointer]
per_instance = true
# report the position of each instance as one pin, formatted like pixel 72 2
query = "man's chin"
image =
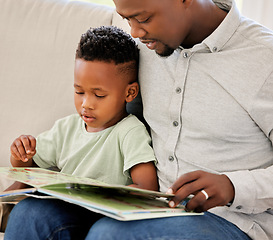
pixel 167 51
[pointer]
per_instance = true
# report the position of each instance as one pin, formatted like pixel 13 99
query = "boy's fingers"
pixel 32 143
pixel 14 152
pixel 26 143
pixel 21 149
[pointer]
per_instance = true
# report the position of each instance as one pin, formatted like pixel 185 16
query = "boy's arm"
pixel 144 176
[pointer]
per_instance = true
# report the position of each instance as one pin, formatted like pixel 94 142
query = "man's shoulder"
pixel 256 34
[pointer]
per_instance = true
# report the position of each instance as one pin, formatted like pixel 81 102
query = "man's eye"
pixel 145 20
pixel 79 92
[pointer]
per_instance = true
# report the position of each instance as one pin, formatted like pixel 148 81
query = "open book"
pixel 116 201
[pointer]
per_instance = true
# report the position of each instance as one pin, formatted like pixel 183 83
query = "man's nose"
pixel 136 30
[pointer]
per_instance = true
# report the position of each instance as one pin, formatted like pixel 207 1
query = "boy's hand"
pixel 23 148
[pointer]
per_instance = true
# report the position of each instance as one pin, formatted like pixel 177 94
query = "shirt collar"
pixel 224 4
pixel 226 29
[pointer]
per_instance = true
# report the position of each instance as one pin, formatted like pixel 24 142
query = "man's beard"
pixel 168 51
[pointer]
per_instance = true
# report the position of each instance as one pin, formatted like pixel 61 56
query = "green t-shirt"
pixel 106 155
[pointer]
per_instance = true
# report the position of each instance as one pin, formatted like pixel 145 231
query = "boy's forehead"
pixel 105 69
pixel 95 64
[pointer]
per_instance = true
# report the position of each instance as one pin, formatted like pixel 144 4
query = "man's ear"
pixel 131 91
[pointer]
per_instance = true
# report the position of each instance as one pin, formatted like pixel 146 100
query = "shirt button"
pixel 171 158
pixel 178 90
pixel 185 54
pixel 175 123
pixel 214 49
pixel 239 207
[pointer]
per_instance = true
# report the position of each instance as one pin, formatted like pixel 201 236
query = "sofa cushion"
pixel 38 42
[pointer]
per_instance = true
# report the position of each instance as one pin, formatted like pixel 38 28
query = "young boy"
pixel 102 141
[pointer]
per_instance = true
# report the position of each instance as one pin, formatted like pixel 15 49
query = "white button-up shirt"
pixel 211 108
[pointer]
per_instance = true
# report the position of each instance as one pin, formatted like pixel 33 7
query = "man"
pixel 207 94
pixel 210 108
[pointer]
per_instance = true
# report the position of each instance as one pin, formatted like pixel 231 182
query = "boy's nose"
pixel 88 103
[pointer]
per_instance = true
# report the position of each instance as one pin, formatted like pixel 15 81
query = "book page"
pixel 38 177
pixel 117 201
pixel 118 205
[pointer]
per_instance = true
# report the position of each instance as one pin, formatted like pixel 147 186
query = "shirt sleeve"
pixel 46 148
pixel 254 188
pixel 136 148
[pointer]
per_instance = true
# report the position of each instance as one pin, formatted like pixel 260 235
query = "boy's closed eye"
pixel 77 92
pixel 100 96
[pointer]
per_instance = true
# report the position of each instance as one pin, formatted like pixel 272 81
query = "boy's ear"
pixel 131 91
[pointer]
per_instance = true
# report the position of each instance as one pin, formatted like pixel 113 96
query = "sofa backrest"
pixel 38 39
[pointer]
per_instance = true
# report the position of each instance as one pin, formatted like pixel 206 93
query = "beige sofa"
pixel 38 39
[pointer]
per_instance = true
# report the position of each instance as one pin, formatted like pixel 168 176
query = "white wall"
pixel 259 10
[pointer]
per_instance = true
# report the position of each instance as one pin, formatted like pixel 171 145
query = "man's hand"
pixel 218 188
pixel 23 148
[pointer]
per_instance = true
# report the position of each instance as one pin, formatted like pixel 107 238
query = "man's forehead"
pixel 131 7
pixel 126 3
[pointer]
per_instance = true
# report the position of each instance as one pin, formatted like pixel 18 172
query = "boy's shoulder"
pixel 129 124
pixel 131 130
pixel 72 120
pixel 131 121
pixel 69 118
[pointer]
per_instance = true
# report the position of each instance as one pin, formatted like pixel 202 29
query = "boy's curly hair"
pixel 108 44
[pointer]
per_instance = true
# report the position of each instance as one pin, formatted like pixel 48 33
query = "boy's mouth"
pixel 88 118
